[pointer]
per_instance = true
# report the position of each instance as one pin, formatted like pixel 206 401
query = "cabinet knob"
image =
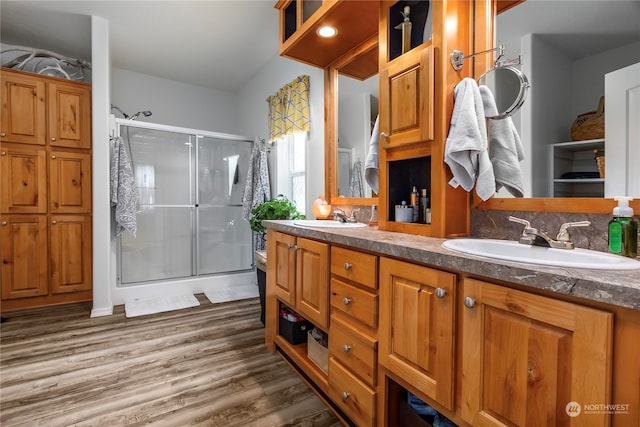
pixel 383 135
pixel 347 266
pixel 469 302
pixel 345 396
pixel 346 301
pixel 3 134
pixel 441 292
pixel 53 157
pixel 4 153
pixel 346 348
pixel 54 222
pixel 4 222
pixel 289 245
pixel 295 248
pixel 53 138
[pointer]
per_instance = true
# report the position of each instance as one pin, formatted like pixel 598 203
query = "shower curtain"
pixel 190 189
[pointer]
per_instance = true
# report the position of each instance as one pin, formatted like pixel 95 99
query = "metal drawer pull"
pixel 441 292
pixel 346 300
pixel 295 248
pixel 469 302
pixel 347 266
pixel 345 396
pixel 346 348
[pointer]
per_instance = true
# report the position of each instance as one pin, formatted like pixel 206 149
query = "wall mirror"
pixel 567 47
pixel 351 107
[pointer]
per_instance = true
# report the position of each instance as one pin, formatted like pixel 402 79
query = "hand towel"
pixel 466 145
pixel 371 174
pixel 505 148
pixel 124 197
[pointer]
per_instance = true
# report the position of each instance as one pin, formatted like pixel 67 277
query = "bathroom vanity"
pixel 483 341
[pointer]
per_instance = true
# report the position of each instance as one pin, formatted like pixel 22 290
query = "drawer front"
pixel 357 303
pixel 356 350
pixel 357 266
pixel 355 398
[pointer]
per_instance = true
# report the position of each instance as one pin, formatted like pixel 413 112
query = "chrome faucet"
pixel 533 236
pixel 339 215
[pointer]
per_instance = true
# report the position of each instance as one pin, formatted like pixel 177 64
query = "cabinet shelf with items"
pixel 574 169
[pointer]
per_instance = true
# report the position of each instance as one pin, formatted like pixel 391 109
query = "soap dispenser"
pixel 623 229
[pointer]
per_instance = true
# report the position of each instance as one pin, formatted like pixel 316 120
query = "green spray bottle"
pixel 623 229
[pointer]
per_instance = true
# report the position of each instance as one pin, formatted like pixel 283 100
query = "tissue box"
pixel 317 353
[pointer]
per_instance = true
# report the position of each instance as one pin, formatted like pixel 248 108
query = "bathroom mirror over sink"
pixel 566 65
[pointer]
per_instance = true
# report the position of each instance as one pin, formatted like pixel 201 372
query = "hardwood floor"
pixel 202 366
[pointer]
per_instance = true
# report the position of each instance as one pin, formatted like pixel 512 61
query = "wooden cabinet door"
pixel 312 281
pixel 69 115
pixel 528 360
pixel 417 327
pixel 407 99
pixel 23 186
pixel 69 182
pixel 23 254
pixel 70 253
pixel 23 109
pixel 282 247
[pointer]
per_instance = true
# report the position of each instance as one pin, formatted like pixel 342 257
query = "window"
pixel 291 168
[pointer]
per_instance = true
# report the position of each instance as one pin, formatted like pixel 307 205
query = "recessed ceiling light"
pixel 327 31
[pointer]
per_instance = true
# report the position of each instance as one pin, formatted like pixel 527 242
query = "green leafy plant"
pixel 277 208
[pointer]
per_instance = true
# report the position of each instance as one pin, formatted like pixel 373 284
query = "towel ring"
pixel 509 86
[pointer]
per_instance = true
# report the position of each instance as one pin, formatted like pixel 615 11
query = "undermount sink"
pixel 514 251
pixel 327 223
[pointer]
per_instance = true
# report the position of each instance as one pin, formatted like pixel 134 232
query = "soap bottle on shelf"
pixel 373 221
pixel 424 206
pixel 623 229
pixel 414 205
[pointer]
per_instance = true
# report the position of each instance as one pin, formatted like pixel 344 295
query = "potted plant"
pixel 277 208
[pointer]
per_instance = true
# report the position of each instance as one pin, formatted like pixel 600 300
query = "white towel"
pixel 371 174
pixel 466 146
pixel 505 149
pixel 124 197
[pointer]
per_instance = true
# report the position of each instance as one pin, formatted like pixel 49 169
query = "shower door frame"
pixel 194 135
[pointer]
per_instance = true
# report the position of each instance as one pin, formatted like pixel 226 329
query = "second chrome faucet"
pixel 533 236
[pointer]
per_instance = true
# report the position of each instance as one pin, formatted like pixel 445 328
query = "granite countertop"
pixel 619 288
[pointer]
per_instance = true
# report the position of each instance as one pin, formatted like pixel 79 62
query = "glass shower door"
pixel 224 237
pixel 164 173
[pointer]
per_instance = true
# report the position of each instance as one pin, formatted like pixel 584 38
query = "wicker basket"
pixel 589 125
pixel 600 162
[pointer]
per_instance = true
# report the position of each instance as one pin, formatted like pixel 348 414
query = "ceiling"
pixel 216 44
pixel 222 44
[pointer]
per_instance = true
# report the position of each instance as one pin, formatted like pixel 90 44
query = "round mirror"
pixel 509 87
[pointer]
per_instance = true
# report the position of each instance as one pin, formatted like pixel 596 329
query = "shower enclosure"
pixel 190 187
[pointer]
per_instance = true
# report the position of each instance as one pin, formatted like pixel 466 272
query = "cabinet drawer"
pixel 357 266
pixel 351 394
pixel 353 349
pixel 357 303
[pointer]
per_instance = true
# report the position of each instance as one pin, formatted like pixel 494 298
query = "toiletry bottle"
pixel 623 229
pixel 414 204
pixel 424 205
pixel 373 221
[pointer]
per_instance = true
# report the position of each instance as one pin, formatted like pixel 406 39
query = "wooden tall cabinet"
pixel 45 191
pixel 416 102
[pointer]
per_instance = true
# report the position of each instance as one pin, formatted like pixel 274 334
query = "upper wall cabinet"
pixel 300 20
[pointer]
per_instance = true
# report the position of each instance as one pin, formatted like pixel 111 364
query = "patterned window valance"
pixel 289 109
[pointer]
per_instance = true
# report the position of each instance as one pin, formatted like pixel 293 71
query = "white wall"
pixel 252 112
pixel 174 103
